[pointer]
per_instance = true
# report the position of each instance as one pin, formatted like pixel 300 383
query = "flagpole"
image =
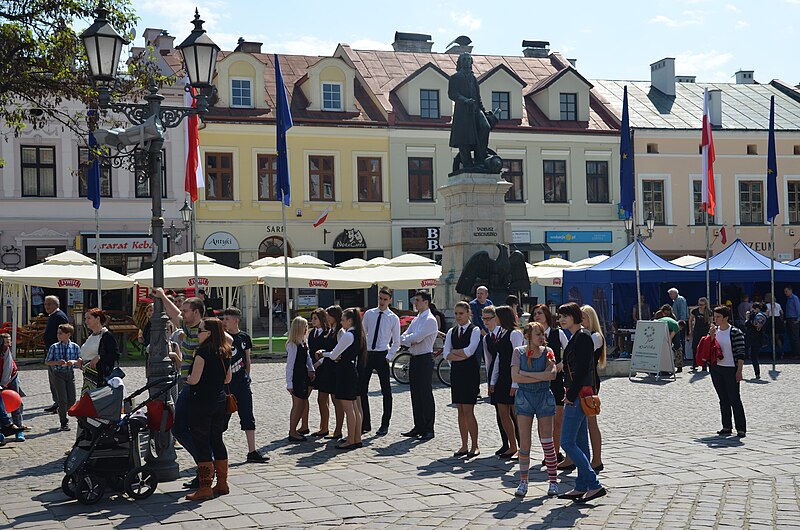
pixel 772 284
pixel 97 256
pixel 285 263
pixel 773 210
pixel 636 259
pixel 708 256
pixel 194 251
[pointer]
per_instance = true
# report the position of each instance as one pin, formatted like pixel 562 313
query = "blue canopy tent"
pixel 610 286
pixel 794 263
pixel 738 263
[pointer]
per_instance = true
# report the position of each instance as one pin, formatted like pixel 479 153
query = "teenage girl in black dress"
pixel 327 385
pixel 316 342
pixel 299 372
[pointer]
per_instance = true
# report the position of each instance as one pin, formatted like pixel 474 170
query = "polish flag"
pixel 724 235
pixel 194 170
pixel 709 199
pixel 322 217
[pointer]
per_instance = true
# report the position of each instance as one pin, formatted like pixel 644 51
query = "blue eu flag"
pixel 627 190
pixel 772 167
pixel 93 174
pixel 284 123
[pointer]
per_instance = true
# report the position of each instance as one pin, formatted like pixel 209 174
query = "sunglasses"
pixel 203 330
pixel 487 318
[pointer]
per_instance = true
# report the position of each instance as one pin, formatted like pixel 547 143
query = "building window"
pixel 513 174
pixel 241 93
pixel 752 149
pixel 38 171
pixel 331 96
pixel 219 176
pixel 597 182
pixel 83 174
pixel 501 100
pixel 420 179
pixel 143 186
pixel 697 203
pixel 267 177
pixel 653 149
pixel 793 192
pixel 321 178
pixel 751 203
pixel 555 181
pixel 428 103
pixel 653 200
pixel 569 106
pixel 369 179
pixel 797 149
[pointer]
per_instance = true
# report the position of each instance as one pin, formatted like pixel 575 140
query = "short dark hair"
pixel 724 311
pixel 425 295
pixel 506 317
pixel 512 299
pixel 571 309
pixel 196 304
pixel 232 312
pixel 66 328
pixel 385 290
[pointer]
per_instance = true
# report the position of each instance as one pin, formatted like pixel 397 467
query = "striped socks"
pixel 524 464
pixel 549 459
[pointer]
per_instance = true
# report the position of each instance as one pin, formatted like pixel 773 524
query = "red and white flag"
pixel 709 198
pixel 194 170
pixel 322 217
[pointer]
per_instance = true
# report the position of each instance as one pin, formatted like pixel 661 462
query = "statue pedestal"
pixel 474 220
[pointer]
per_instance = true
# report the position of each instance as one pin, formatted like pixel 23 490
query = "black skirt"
pixel 502 389
pixel 346 381
pixel 300 386
pixel 325 377
pixel 465 380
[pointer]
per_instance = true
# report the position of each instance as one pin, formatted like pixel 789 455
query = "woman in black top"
pixel 349 351
pixel 699 320
pixel 325 382
pixel 316 343
pixel 578 359
pixel 500 342
pixel 99 353
pixel 208 375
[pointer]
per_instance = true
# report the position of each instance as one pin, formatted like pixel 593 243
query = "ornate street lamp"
pixel 186 215
pixel 103 47
pixel 650 224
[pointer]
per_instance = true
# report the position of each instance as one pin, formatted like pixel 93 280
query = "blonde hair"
pixel 594 327
pixel 532 328
pixel 298 331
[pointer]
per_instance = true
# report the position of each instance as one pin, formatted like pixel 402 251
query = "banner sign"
pixel 578 237
pixel 652 349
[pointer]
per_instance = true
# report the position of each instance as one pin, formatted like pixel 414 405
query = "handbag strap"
pixel 224 371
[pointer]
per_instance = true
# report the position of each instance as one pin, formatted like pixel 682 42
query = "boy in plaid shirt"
pixel 64 356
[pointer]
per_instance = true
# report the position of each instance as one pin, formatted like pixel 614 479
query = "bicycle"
pixel 402 363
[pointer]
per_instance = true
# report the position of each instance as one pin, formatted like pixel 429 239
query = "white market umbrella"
pixel 545 276
pixel 312 278
pixel 404 260
pixel 687 261
pixel 179 273
pixel 353 263
pixel 554 262
pixel 265 262
pixel 404 277
pixel 378 261
pixel 590 262
pixel 68 270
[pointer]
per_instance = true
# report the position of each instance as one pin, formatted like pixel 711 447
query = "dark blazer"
pixel 578 363
pixel 53 321
pixel 109 354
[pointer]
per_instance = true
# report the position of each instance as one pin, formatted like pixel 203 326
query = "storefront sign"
pixel 307 298
pixel 318 284
pixel 69 283
pixel 350 238
pixel 274 229
pixel 200 281
pixel 760 246
pixel 420 239
pixel 578 237
pixel 521 236
pixel 122 245
pixel 221 241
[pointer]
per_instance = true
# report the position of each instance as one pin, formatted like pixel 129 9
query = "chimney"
pixel 573 62
pixel 662 75
pixel 412 42
pixel 685 78
pixel 536 48
pixel 247 47
pixel 461 44
pixel 165 42
pixel 745 77
pixel 715 107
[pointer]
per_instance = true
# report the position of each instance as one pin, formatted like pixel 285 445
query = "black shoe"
pixel 365 430
pixel 741 434
pixel 560 457
pixel 296 439
pixel 570 496
pixel 426 436
pixel 257 458
pixel 599 468
pixel 303 431
pixel 502 450
pixel 383 431
pixel 52 409
pixel 679 369
pixel 192 484
pixel 65 427
pixel 567 469
pixel 725 432
pixel 413 433
pixel 587 498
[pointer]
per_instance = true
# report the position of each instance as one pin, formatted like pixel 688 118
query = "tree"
pixel 43 63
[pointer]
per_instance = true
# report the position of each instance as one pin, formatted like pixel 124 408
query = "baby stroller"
pixel 109 450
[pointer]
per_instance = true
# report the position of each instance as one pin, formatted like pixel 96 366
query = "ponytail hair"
pixel 354 314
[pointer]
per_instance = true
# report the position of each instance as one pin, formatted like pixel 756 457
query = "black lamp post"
pixel 186 216
pixel 103 48
pixel 650 224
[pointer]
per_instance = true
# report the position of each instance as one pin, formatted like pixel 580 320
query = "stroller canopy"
pixel 103 403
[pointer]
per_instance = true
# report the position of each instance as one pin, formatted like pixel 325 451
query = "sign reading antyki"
pixel 350 238
pixel 221 241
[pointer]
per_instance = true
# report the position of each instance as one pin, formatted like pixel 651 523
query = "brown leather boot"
pixel 205 472
pixel 221 469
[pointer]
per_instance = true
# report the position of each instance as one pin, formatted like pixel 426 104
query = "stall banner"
pixel 652 348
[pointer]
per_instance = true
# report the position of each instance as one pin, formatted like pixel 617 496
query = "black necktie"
pixel 377 327
pixel 460 332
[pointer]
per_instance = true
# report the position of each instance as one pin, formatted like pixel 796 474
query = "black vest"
pixel 351 353
pixel 316 343
pixel 300 372
pixel 554 342
pixel 459 343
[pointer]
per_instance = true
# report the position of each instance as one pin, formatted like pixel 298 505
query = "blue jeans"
pixel 575 442
pixel 180 427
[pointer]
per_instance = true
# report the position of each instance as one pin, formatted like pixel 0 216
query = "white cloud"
pixel 303 45
pixel 466 20
pixel 741 24
pixel 703 65
pixel 369 44
pixel 689 18
pixel 179 13
pixel 733 8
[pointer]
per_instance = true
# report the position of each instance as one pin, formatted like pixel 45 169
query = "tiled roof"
pixel 744 106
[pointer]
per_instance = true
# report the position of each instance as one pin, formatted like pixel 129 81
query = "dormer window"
pixel 428 103
pixel 241 93
pixel 332 96
pixel 502 101
pixel 569 106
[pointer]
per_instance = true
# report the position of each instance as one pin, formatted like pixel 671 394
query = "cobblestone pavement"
pixel 664 468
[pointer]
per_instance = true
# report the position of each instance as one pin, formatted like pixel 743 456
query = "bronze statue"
pixel 471 123
pixel 503 276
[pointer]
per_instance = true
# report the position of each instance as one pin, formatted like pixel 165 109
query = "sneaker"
pixel 552 490
pixel 178 445
pixel 522 489
pixel 20 437
pixel 255 457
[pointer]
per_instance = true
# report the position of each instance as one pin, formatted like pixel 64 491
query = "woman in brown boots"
pixel 208 375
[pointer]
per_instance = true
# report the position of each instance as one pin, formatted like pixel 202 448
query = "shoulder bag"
pixel 231 405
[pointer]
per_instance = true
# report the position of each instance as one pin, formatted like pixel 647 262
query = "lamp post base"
pixel 161 458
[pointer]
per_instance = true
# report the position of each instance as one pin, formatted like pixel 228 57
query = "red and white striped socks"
pixel 550 459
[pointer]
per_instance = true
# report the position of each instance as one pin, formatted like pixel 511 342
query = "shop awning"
pixel 179 273
pixel 312 277
pixel 68 270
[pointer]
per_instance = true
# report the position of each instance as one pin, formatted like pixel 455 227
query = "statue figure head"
pixel 464 62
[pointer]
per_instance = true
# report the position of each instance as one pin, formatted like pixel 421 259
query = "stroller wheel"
pixel 68 486
pixel 140 483
pixel 88 488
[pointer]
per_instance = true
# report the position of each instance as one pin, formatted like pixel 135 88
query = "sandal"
pixel 572 495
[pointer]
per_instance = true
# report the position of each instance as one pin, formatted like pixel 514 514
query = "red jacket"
pixel 708 351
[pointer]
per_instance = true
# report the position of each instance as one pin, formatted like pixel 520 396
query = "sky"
pixel 710 39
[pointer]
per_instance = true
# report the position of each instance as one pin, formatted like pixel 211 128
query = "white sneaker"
pixel 552 490
pixel 522 489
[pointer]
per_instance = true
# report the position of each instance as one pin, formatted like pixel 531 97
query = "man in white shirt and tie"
pixel 382 328
pixel 419 338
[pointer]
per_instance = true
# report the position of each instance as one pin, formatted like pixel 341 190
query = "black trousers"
pixel 376 360
pixel 422 404
pixel 207 422
pixel 724 379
